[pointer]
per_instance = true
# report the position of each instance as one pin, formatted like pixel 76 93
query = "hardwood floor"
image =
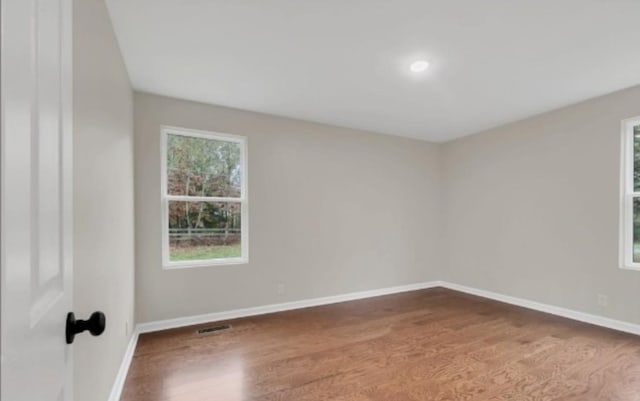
pixel 432 344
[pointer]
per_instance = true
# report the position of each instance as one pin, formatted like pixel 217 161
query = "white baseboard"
pixel 261 310
pixel 554 310
pixel 118 385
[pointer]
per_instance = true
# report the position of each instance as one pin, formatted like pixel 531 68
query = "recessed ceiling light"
pixel 419 66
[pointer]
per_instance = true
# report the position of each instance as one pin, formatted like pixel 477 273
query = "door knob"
pixel 95 324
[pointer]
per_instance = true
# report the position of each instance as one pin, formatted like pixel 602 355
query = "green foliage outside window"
pixel 636 188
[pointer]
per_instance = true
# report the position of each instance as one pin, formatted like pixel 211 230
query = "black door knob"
pixel 95 324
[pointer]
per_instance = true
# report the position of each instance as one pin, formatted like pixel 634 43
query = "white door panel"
pixel 36 199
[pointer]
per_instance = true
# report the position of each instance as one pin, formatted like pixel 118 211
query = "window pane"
pixel 204 230
pixel 636 158
pixel 203 167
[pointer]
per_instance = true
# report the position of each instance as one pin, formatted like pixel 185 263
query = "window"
pixel 630 209
pixel 204 198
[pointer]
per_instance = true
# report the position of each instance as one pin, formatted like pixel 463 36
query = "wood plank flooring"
pixel 433 344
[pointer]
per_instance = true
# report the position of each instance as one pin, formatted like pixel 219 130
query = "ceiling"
pixel 346 62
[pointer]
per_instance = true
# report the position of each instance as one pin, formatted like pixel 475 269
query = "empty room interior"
pixel 320 200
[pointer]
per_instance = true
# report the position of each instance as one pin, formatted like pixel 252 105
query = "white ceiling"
pixel 345 62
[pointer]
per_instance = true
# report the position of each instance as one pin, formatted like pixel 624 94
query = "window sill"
pixel 205 263
pixel 632 267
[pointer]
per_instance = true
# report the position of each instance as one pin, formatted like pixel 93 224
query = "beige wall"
pixel 531 208
pixel 332 211
pixel 103 199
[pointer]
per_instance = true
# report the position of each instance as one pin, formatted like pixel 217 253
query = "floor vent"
pixel 213 329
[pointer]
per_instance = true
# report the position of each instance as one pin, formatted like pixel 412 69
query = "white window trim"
pixel 165 198
pixel 626 195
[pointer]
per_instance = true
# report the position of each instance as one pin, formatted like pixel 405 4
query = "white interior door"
pixel 36 226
